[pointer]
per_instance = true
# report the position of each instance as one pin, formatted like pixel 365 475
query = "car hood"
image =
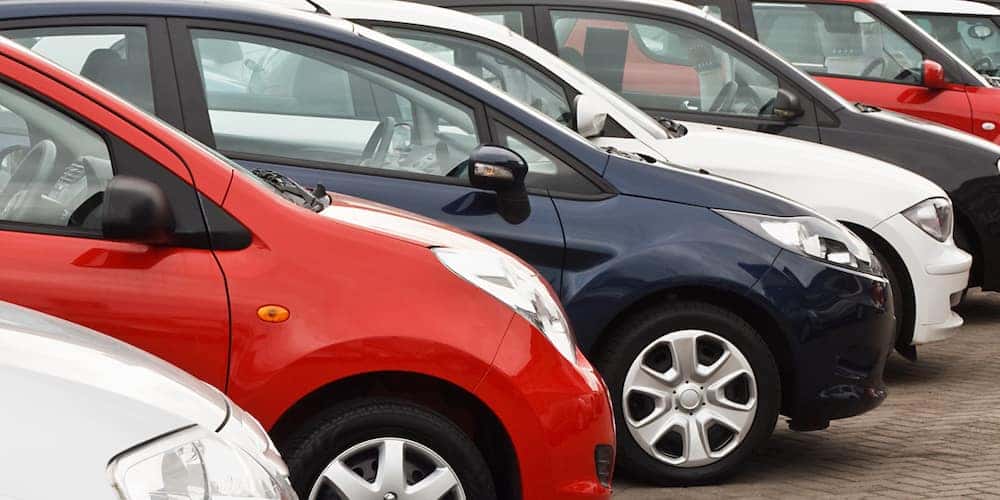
pixel 78 398
pixel 840 184
pixel 965 138
pixel 400 224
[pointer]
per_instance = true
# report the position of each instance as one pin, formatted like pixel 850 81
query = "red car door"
pixel 860 56
pixel 58 154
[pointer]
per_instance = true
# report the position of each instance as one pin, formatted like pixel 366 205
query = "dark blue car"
pixel 709 306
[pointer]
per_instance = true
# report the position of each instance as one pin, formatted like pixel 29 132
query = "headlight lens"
pixel 934 216
pixel 811 236
pixel 517 286
pixel 195 464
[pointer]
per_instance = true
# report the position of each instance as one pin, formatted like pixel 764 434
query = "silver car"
pixel 85 416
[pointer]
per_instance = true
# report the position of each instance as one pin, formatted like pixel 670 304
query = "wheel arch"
pixel 757 315
pixel 460 406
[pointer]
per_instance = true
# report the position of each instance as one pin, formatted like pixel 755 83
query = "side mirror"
pixel 787 105
pixel 499 169
pixel 934 75
pixel 590 116
pixel 136 210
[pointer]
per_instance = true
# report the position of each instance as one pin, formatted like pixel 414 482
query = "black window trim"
pixel 547 33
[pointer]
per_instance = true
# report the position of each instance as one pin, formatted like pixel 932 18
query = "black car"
pixel 793 103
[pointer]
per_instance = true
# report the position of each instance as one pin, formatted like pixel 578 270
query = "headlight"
pixel 517 286
pixel 811 236
pixel 194 464
pixel 934 216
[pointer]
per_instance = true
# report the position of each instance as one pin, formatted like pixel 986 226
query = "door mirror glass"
pixel 136 210
pixel 787 105
pixel 934 75
pixel 590 116
pixel 499 169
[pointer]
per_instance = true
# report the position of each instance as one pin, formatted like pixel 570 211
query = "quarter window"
pixel 545 170
pixel 837 40
pixel 277 99
pixel 512 19
pixel 114 57
pixel 664 66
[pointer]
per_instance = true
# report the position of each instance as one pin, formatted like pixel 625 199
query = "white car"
pixel 88 417
pixel 897 212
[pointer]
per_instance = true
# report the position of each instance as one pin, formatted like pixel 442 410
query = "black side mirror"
pixel 136 210
pixel 787 105
pixel 501 170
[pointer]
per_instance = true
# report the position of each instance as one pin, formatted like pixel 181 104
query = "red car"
pixel 869 52
pixel 387 354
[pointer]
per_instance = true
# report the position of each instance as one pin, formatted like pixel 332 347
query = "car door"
pixel 61 151
pixel 359 125
pixel 859 55
pixel 671 69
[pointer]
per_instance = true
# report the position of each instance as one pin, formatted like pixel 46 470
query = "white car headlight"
pixel 934 216
pixel 195 463
pixel 813 237
pixel 516 285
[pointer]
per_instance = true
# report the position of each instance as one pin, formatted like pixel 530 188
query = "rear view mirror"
pixel 980 31
pixel 590 116
pixel 136 210
pixel 933 75
pixel 787 105
pixel 501 170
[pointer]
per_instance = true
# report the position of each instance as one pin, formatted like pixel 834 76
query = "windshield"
pixel 974 39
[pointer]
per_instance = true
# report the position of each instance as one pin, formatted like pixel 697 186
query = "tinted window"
pixel 976 40
pixel 837 40
pixel 512 19
pixel 662 65
pixel 114 57
pixel 52 169
pixel 278 99
pixel 517 78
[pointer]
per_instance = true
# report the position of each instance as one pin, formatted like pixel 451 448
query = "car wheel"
pixel 696 390
pixel 904 314
pixel 386 449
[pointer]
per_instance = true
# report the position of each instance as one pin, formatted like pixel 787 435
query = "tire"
pixel 902 305
pixel 645 333
pixel 356 425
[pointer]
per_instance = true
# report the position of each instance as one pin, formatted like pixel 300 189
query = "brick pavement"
pixel 937 436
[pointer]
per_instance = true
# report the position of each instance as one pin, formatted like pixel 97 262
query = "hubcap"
pixel 689 398
pixel 388 469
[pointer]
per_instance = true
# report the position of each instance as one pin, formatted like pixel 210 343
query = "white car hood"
pixel 78 398
pixel 839 184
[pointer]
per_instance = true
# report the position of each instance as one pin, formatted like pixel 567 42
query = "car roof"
pixel 943 7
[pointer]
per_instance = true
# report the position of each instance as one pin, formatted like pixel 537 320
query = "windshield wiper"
pixel 673 128
pixel 313 200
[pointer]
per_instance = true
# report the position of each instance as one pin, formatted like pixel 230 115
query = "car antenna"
pixel 319 8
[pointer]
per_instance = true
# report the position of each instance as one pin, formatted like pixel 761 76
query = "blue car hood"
pixel 690 187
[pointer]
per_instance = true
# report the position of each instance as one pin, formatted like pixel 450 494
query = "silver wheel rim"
pixel 689 398
pixel 389 469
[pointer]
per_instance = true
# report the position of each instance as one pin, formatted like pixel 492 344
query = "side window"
pixel 282 100
pixel 545 171
pixel 512 19
pixel 114 57
pixel 52 169
pixel 975 40
pixel 514 76
pixel 664 66
pixel 838 40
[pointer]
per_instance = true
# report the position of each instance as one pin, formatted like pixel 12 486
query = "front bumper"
pixel 839 327
pixel 557 415
pixel 939 273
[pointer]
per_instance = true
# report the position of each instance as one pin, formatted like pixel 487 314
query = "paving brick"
pixel 937 436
